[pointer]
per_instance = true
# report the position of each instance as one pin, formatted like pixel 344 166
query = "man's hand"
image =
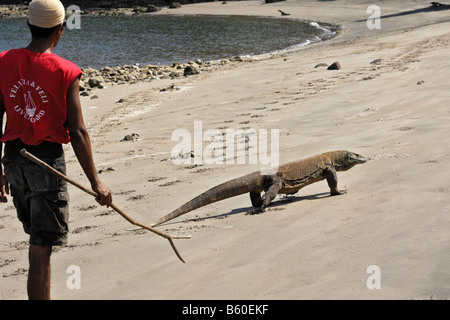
pixel 4 189
pixel 104 194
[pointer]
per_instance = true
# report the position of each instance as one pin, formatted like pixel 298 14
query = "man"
pixel 39 92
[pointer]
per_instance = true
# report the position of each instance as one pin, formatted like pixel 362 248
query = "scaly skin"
pixel 289 179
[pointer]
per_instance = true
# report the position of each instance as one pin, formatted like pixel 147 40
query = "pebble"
pixel 131 137
pixel 93 78
pixel 335 66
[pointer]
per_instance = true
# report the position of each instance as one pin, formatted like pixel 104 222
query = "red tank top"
pixel 33 88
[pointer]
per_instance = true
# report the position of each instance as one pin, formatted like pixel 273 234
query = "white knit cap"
pixel 46 13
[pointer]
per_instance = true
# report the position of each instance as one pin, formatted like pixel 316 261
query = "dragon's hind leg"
pixel 259 203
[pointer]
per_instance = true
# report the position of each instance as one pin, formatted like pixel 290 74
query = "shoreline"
pixel 93 78
pixel 98 78
pixel 109 75
pixel 389 102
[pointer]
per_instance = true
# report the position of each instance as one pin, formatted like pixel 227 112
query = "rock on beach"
pixel 108 76
pixel 335 66
pixel 13 11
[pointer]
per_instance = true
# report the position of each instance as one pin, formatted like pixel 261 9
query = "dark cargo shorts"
pixel 41 198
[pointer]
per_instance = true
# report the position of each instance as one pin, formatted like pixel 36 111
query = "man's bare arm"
pixel 81 144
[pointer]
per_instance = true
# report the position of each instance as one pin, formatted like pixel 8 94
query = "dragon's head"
pixel 344 160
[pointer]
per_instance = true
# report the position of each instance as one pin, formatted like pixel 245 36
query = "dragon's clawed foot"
pixel 337 192
pixel 255 210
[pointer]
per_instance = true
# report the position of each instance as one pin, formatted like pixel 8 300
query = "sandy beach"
pixel 389 102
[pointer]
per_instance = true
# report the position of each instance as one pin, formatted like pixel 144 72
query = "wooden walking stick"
pixel 52 170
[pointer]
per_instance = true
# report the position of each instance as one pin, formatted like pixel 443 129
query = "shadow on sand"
pixel 431 8
pixel 280 202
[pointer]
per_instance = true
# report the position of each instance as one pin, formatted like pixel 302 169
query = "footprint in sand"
pixel 155 179
pixel 136 197
pixel 18 272
pixel 5 262
pixel 169 183
pixel 405 128
pixel 84 228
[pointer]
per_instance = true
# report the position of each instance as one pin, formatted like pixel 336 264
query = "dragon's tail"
pixel 223 191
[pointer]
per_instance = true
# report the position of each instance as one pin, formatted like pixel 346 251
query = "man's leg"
pixel 39 273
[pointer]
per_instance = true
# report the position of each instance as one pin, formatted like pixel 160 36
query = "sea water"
pixel 162 40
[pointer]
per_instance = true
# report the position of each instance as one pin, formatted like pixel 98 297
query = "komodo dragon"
pixel 289 179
